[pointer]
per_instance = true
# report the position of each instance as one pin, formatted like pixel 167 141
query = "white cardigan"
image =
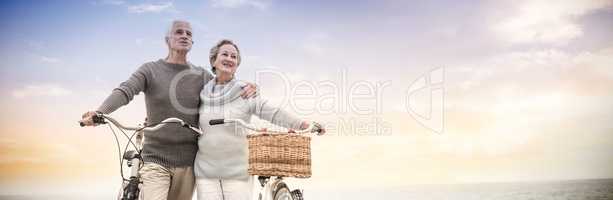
pixel 222 150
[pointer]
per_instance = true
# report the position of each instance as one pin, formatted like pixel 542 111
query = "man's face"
pixel 180 37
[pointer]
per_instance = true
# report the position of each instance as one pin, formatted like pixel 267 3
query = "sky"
pixel 412 92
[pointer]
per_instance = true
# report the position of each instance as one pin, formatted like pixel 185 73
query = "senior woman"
pixel 222 159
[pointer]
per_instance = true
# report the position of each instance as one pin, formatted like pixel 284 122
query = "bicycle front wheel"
pixel 282 192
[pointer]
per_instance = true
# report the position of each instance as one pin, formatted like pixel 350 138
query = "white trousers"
pixel 222 189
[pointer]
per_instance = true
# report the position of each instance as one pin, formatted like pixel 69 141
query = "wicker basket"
pixel 287 155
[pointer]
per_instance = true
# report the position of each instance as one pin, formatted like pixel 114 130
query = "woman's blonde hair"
pixel 215 51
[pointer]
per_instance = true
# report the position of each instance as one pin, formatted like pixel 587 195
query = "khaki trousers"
pixel 161 183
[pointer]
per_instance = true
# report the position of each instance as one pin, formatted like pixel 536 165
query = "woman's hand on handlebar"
pixel 250 90
pixel 316 127
pixel 87 118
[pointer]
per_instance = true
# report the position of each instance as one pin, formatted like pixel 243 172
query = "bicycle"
pixel 130 188
pixel 272 186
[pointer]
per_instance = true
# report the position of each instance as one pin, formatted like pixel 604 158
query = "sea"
pixel 594 189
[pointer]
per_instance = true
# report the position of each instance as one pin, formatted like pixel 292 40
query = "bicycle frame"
pixel 130 189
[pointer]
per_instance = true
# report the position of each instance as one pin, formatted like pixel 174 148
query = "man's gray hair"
pixel 172 25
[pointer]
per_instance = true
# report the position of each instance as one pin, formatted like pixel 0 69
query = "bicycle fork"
pixel 270 185
pixel 133 159
pixel 265 190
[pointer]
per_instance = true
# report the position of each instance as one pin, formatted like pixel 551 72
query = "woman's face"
pixel 227 60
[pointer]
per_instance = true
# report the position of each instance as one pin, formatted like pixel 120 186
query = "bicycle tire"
pixel 282 192
pixel 130 190
pixel 297 195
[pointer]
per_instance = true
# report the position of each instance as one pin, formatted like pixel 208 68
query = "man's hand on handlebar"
pixel 87 119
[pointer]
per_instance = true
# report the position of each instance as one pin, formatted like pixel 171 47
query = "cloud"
pixel 151 8
pixel 516 97
pixel 46 59
pixel 536 67
pixel 315 43
pixel 259 4
pixel 36 45
pixel 110 2
pixel 139 8
pixel 546 22
pixel 14 152
pixel 115 2
pixel 139 41
pixel 40 90
pixel 542 82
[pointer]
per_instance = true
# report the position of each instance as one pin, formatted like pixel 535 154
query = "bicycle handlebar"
pixel 313 126
pixel 216 122
pixel 100 119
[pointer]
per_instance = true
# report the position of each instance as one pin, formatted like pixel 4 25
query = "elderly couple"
pixel 176 161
